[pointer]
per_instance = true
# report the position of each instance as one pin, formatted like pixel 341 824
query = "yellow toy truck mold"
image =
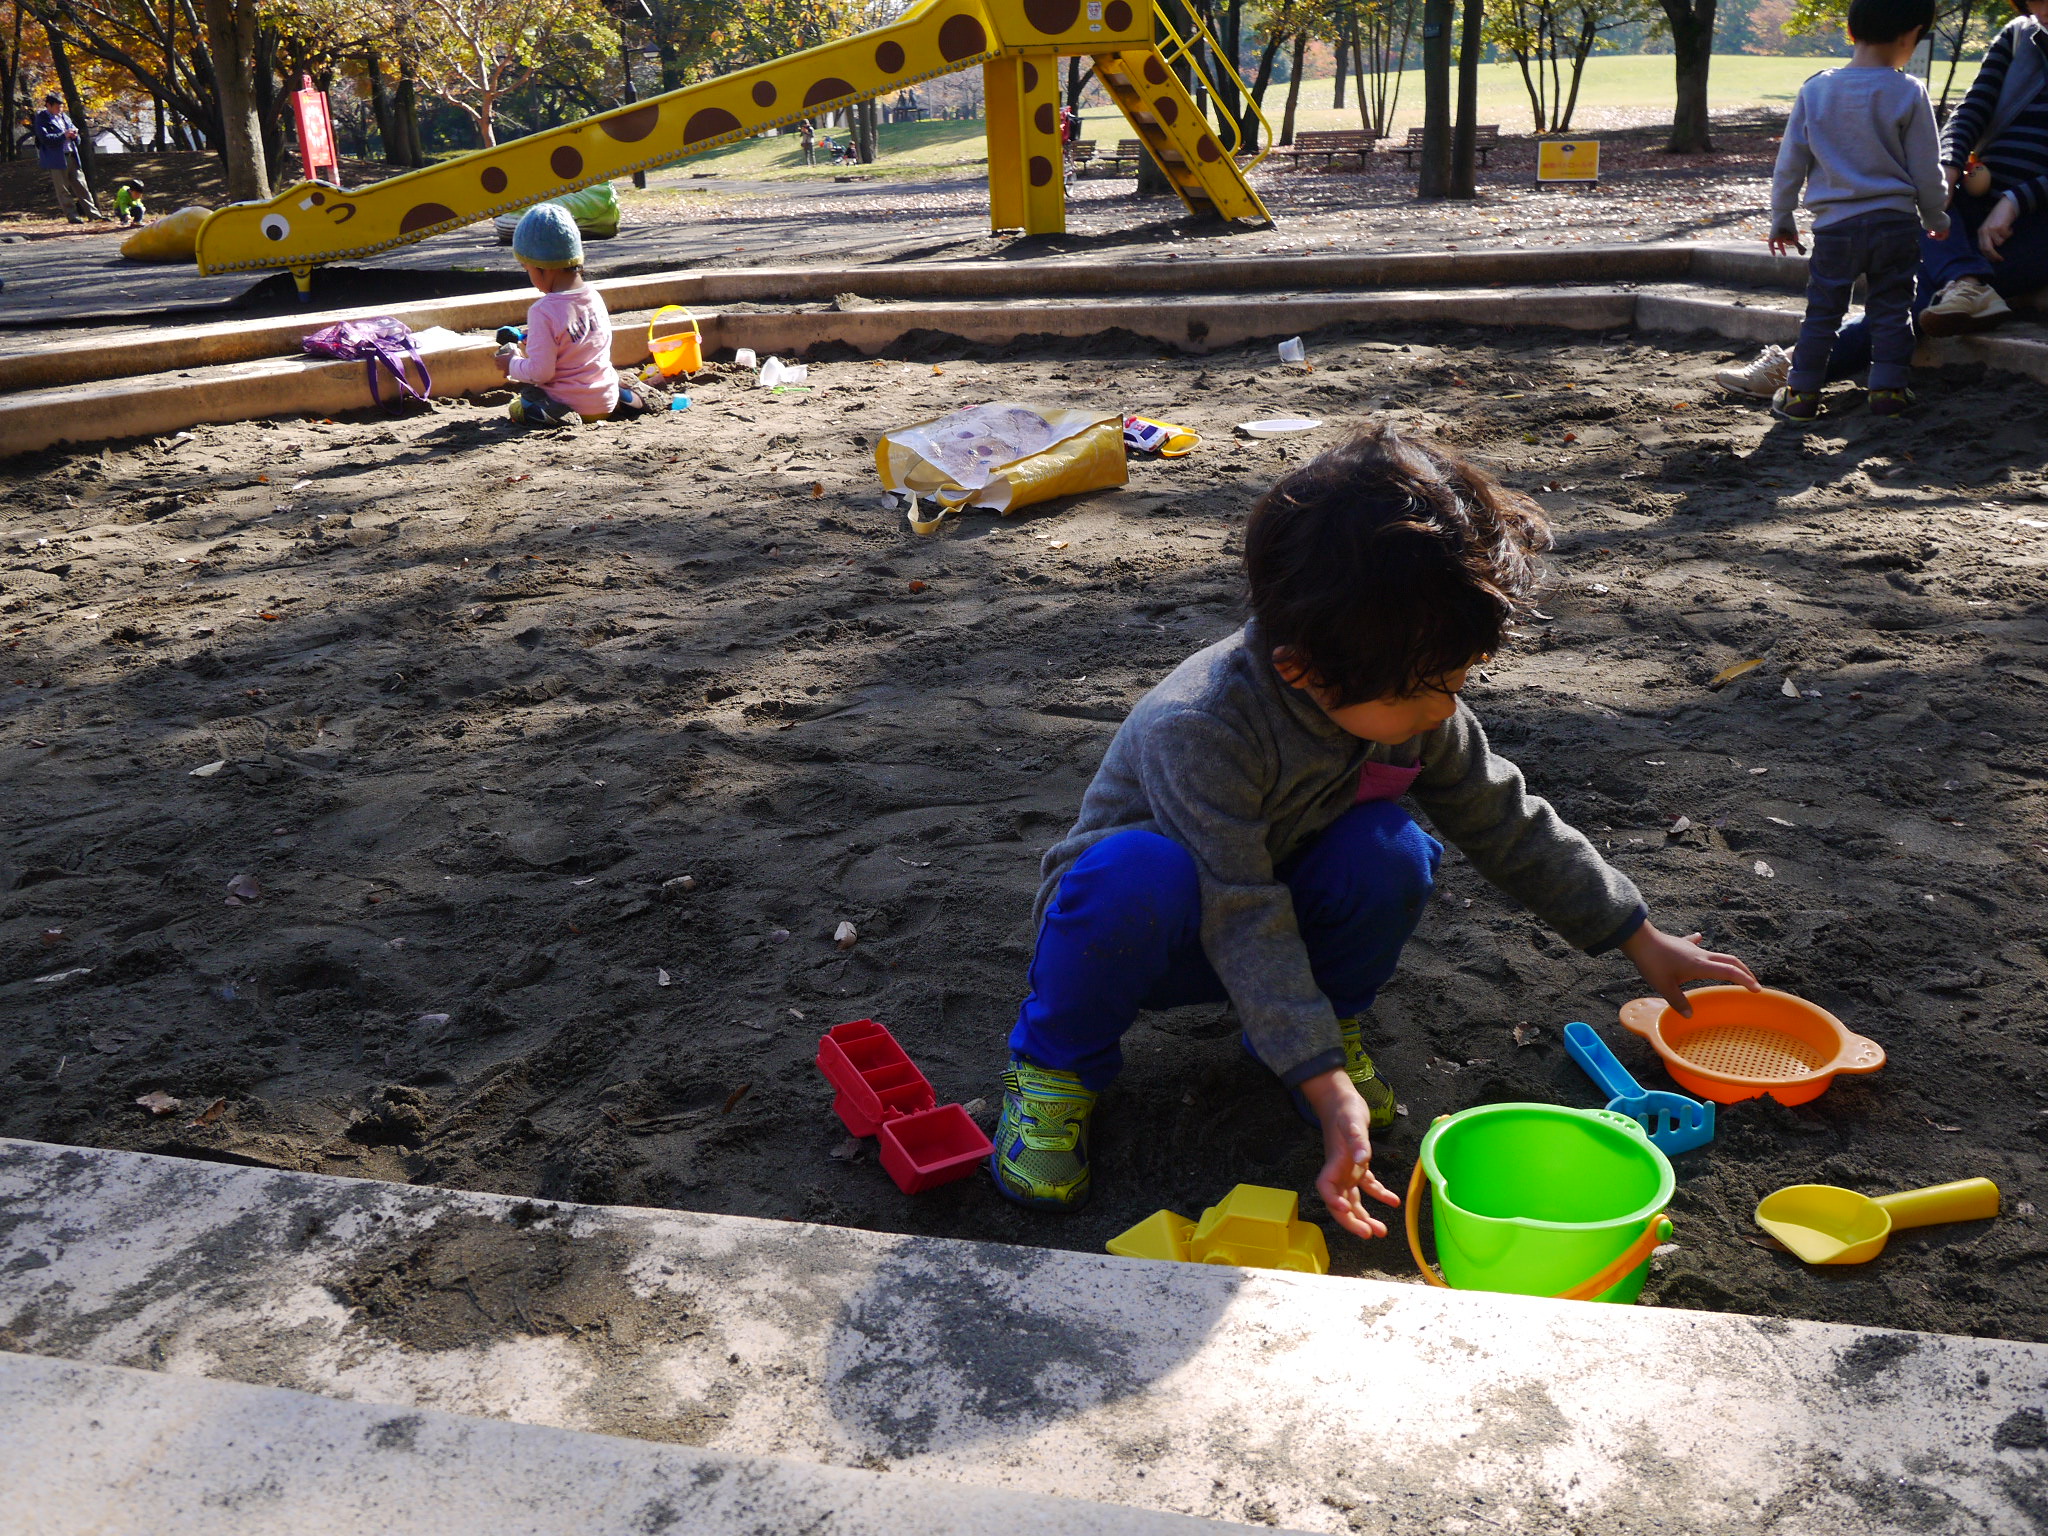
pixel 1252 1227
pixel 1018 43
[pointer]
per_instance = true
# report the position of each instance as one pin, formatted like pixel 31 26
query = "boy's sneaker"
pixel 1365 1077
pixel 1892 402
pixel 1790 404
pixel 1967 304
pixel 1041 1155
pixel 1761 377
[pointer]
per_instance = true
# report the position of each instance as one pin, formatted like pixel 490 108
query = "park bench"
pixel 1082 153
pixel 1329 144
pixel 1485 139
pixel 1132 150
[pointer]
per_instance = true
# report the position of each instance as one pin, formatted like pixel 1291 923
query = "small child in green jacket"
pixel 1243 837
pixel 128 204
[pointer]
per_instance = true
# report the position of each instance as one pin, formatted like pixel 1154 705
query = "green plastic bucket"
pixel 1541 1200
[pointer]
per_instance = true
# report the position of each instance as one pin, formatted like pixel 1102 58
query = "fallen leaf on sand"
pixel 212 1112
pixel 159 1102
pixel 681 882
pixel 1528 1034
pixel 1781 821
pixel 57 976
pixel 1755 771
pixel 1789 688
pixel 1681 824
pixel 1728 674
pixel 1439 1064
pixel 733 1098
pixel 1057 544
pixel 849 1149
pixel 846 935
pixel 245 888
pixel 1765 870
pixel 974 1107
pixel 53 935
pixel 208 770
pixel 663 979
pixel 817 488
pixel 919 586
pixel 914 863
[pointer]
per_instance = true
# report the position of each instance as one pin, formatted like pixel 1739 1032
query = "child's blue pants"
pixel 1123 932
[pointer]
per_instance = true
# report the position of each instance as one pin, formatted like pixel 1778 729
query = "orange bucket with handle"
pixel 679 352
pixel 1740 1044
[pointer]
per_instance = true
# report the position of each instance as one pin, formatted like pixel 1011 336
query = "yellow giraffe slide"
pixel 1017 42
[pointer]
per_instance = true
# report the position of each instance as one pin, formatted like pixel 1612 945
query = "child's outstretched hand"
pixel 1347 1175
pixel 1667 962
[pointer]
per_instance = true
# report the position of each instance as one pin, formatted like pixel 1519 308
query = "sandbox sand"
pixel 482 697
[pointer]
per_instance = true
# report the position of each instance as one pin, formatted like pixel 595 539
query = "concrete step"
pixel 94 1448
pixel 1317 1403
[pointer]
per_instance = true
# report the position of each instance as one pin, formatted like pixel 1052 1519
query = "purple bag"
pixel 382 340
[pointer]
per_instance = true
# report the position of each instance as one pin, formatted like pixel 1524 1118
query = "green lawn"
pixel 1637 83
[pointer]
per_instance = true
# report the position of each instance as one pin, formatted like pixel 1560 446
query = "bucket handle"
pixel 673 309
pixel 1655 1231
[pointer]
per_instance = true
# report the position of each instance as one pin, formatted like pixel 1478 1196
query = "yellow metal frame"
pixel 1018 43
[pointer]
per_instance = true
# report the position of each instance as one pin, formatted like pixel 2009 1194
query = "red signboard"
pixel 316 133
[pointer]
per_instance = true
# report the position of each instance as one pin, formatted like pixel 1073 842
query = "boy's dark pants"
pixel 1124 932
pixel 1884 249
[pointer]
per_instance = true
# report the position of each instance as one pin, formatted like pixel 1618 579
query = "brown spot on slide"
pixel 764 93
pixel 1045 120
pixel 1155 72
pixel 631 127
pixel 831 88
pixel 1041 170
pixel 709 123
pixel 1030 77
pixel 1167 108
pixel 961 37
pixel 1117 16
pixel 1051 17
pixel 422 215
pixel 889 56
pixel 1207 149
pixel 494 179
pixel 566 162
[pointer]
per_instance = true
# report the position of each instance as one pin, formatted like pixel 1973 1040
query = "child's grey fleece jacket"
pixel 1244 771
pixel 1861 140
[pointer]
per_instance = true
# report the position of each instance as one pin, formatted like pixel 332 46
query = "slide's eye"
pixel 276 226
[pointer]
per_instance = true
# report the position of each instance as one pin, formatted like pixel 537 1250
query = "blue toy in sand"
pixel 1676 1123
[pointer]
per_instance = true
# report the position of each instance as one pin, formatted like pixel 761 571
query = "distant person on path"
pixel 2000 203
pixel 57 152
pixel 807 140
pixel 1862 142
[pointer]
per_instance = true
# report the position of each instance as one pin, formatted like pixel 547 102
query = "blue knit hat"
pixel 548 237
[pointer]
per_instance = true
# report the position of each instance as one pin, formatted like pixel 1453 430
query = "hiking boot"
pixel 1761 377
pixel 1041 1155
pixel 1892 402
pixel 1965 305
pixel 1790 404
pixel 1365 1077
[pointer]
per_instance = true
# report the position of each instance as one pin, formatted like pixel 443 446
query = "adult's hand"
pixel 1997 228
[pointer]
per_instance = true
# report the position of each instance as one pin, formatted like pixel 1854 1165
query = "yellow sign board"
pixel 1568 160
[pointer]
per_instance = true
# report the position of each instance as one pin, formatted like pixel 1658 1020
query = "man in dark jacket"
pixel 57 153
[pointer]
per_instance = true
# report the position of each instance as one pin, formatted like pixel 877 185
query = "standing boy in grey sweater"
pixel 1862 141
pixel 1243 836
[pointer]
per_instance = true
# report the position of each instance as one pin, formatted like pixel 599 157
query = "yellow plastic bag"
pixel 1002 456
pixel 172 239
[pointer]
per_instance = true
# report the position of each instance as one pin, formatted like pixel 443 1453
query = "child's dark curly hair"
pixel 1389 563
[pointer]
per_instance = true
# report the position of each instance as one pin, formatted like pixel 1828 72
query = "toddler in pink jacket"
pixel 566 366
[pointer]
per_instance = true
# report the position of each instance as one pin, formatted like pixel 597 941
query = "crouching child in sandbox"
pixel 1244 837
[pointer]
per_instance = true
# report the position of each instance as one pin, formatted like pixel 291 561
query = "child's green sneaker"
pixel 1790 404
pixel 1365 1077
pixel 1041 1155
pixel 1892 402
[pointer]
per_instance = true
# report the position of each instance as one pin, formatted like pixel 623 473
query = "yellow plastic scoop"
pixel 1826 1225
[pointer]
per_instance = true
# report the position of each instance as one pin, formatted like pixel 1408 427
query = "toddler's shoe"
pixel 1790 404
pixel 1365 1077
pixel 1967 304
pixel 1892 402
pixel 1041 1155
pixel 1760 378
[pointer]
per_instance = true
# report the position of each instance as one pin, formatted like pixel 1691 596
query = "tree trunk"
pixel 867 132
pixel 1343 49
pixel 1692 49
pixel 7 86
pixel 1464 141
pixel 1435 180
pixel 1293 87
pixel 380 105
pixel 273 104
pixel 405 108
pixel 631 95
pixel 231 31
pixel 1248 121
